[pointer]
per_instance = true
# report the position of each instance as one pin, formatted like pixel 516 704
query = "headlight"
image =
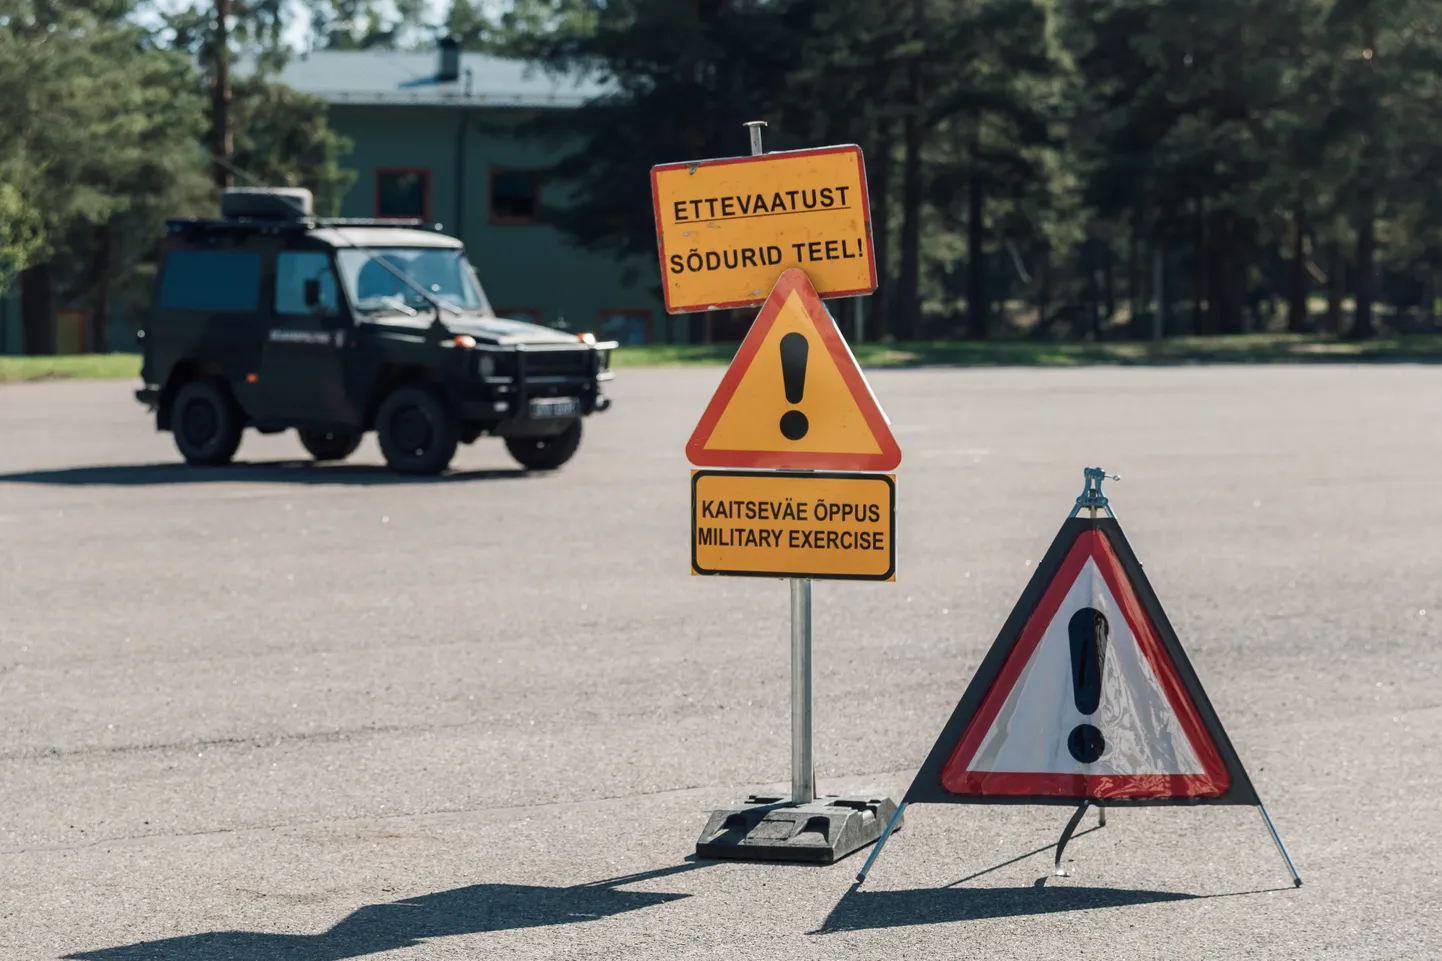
pixel 486 365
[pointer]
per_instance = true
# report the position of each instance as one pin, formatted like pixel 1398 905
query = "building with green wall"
pixel 437 135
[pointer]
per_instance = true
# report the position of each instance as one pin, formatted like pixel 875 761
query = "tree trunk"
pixel 1134 285
pixel 100 292
pixel 1094 290
pixel 1043 278
pixel 1162 275
pixel 1199 273
pixel 1336 285
pixel 880 190
pixel 1297 321
pixel 908 307
pixel 1362 326
pixel 37 310
pixel 1433 288
pixel 1227 293
pixel 221 144
pixel 1109 280
pixel 976 299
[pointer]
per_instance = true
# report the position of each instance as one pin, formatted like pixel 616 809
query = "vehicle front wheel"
pixel 417 431
pixel 546 453
pixel 326 445
pixel 206 423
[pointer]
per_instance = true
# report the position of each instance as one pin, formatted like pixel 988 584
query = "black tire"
pixel 206 423
pixel 326 445
pixel 417 431
pixel 546 453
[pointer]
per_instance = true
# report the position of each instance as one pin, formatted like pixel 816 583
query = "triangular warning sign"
pixel 1086 695
pixel 794 396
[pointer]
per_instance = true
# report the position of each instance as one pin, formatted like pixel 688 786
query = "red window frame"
pixel 497 221
pixel 535 314
pixel 605 312
pixel 425 173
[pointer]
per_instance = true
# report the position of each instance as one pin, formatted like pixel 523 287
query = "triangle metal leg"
pixel 1066 834
pixel 1272 830
pixel 880 842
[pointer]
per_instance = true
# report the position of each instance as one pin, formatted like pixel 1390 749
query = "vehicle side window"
pixel 216 280
pixel 292 270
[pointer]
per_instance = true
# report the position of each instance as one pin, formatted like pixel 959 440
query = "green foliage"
pixel 1081 136
pixel 102 130
pixel 363 24
pixel 21 230
pixel 282 138
pixel 682 86
pixel 1058 149
pixel 107 130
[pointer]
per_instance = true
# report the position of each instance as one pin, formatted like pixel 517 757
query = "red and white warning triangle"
pixel 1086 694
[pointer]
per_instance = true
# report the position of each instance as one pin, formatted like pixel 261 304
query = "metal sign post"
pixel 803 766
pixel 803 769
pixel 804 827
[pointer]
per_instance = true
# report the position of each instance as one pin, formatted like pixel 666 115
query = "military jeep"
pixel 273 319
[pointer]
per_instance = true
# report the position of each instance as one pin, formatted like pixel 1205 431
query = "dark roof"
pixel 394 77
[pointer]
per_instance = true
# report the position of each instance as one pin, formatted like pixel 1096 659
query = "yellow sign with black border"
pixel 727 228
pixel 823 525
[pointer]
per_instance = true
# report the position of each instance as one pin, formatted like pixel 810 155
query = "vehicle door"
pixel 206 310
pixel 306 348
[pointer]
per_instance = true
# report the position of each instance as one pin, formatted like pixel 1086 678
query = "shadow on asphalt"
pixel 866 910
pixel 265 472
pixel 410 922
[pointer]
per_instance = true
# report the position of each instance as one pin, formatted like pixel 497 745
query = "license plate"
pixel 554 407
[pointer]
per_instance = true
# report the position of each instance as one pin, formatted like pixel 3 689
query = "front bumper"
pixel 149 396
pixel 522 373
pixel 503 418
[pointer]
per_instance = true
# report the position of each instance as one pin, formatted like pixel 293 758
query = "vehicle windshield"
pixel 443 272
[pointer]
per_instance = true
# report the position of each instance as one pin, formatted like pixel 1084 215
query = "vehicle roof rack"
pixel 261 225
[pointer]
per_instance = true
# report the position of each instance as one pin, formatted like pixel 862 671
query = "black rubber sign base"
pixel 775 829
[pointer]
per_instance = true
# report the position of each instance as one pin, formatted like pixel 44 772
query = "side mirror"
pixel 312 293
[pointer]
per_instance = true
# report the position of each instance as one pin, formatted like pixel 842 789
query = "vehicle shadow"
pixel 408 922
pixel 257 472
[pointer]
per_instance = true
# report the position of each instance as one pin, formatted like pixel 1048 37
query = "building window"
pixel 515 197
pixel 531 315
pixel 293 271
pixel 625 326
pixel 224 281
pixel 403 194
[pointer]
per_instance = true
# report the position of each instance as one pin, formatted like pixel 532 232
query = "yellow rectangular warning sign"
pixel 802 524
pixel 727 228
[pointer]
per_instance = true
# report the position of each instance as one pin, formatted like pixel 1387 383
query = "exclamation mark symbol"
pixel 1088 629
pixel 793 375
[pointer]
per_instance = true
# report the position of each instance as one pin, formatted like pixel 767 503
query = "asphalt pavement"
pixel 280 710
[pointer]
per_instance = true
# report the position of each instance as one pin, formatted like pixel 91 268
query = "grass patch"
pixel 1243 349
pixel 70 367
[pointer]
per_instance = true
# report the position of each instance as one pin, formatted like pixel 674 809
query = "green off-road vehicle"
pixel 273 319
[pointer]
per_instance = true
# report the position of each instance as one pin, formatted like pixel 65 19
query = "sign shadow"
pixel 475 909
pixel 868 910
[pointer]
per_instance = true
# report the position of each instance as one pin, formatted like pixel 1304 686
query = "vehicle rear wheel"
pixel 206 423
pixel 326 445
pixel 546 453
pixel 417 431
